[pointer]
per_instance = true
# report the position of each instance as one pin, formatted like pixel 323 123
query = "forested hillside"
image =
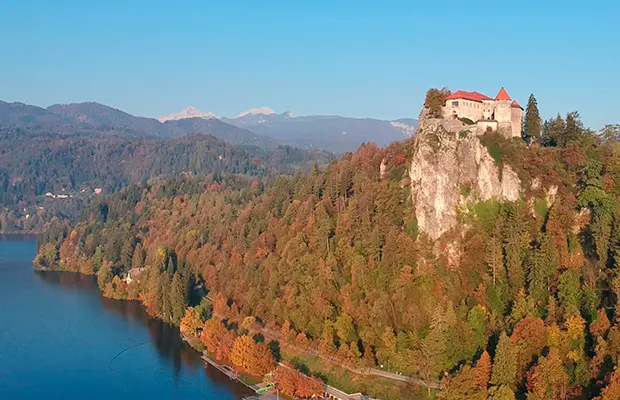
pixel 529 305
pixel 73 166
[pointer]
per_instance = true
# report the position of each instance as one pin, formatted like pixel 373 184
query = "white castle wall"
pixel 499 115
pixel 465 109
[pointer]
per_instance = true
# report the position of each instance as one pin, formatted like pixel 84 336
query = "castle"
pixel 500 114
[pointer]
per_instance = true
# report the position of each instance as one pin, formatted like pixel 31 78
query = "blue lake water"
pixel 60 339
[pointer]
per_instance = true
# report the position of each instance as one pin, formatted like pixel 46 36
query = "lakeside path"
pixel 272 335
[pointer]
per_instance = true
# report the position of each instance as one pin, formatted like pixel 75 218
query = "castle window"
pixel 455 104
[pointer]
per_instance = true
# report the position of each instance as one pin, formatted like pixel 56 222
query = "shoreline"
pixel 333 391
pixel 203 355
pixel 232 375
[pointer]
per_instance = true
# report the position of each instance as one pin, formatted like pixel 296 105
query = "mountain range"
pixel 88 118
pixel 258 127
pixel 329 132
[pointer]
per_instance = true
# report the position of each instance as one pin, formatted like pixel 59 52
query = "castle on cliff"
pixel 500 114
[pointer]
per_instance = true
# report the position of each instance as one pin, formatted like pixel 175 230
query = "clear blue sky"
pixel 355 58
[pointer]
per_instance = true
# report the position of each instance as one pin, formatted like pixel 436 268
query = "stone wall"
pixel 503 112
pixel 516 121
pixel 483 126
pixel 465 109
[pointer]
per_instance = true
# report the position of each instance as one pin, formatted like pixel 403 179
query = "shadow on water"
pixel 4 237
pixel 165 338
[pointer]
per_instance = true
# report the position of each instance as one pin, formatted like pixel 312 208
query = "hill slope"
pixel 89 118
pixel 338 262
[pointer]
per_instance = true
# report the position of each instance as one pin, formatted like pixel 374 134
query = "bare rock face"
pixel 449 168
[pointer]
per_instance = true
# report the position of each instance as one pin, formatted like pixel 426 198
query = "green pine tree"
pixel 532 122
pixel 98 258
pixel 170 267
pixel 163 296
pixel 543 265
pixel 104 275
pixel 569 292
pixel 552 131
pixel 178 297
pixel 505 363
pixel 138 257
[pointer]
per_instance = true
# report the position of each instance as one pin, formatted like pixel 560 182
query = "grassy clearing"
pixel 347 381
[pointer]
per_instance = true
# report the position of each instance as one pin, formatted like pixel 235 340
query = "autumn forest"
pixel 332 263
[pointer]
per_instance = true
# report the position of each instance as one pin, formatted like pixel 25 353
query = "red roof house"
pixel 472 96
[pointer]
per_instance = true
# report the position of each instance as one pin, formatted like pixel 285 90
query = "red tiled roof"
pixel 516 104
pixel 473 96
pixel 502 95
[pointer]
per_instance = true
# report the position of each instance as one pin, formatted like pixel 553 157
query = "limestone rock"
pixel 450 167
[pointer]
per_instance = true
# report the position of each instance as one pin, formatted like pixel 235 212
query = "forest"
pixel 333 261
pixel 32 165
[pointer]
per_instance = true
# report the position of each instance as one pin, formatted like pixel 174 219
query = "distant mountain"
pixel 37 119
pixel 249 119
pixel 260 127
pixel 89 118
pixel 221 130
pixel 257 111
pixel 189 112
pixel 332 133
pixel 107 118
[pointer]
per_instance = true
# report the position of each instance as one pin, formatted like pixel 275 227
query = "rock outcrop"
pixel 451 167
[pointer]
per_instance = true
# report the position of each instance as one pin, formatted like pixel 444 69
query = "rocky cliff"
pixel 450 167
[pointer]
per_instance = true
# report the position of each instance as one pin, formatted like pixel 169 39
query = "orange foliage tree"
pixel 191 322
pixel 529 336
pixel 220 306
pixel 548 379
pixel 612 390
pixel 217 339
pixel 256 358
pixel 482 371
pixel 294 383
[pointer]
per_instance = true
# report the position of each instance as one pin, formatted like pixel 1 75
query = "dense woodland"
pixel 32 165
pixel 333 261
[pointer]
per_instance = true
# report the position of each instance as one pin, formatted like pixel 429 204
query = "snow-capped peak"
pixel 189 112
pixel 257 111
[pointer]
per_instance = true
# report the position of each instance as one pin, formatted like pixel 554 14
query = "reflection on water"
pixel 165 338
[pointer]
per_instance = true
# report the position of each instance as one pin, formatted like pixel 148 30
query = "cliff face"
pixel 450 167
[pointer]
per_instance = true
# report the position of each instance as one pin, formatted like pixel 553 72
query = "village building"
pixel 501 114
pixel 133 275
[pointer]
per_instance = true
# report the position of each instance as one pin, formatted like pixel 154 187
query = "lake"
pixel 60 339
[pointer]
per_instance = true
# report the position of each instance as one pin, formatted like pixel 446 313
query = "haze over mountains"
pixel 329 132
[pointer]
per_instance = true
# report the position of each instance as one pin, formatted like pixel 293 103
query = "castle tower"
pixel 516 112
pixel 503 112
